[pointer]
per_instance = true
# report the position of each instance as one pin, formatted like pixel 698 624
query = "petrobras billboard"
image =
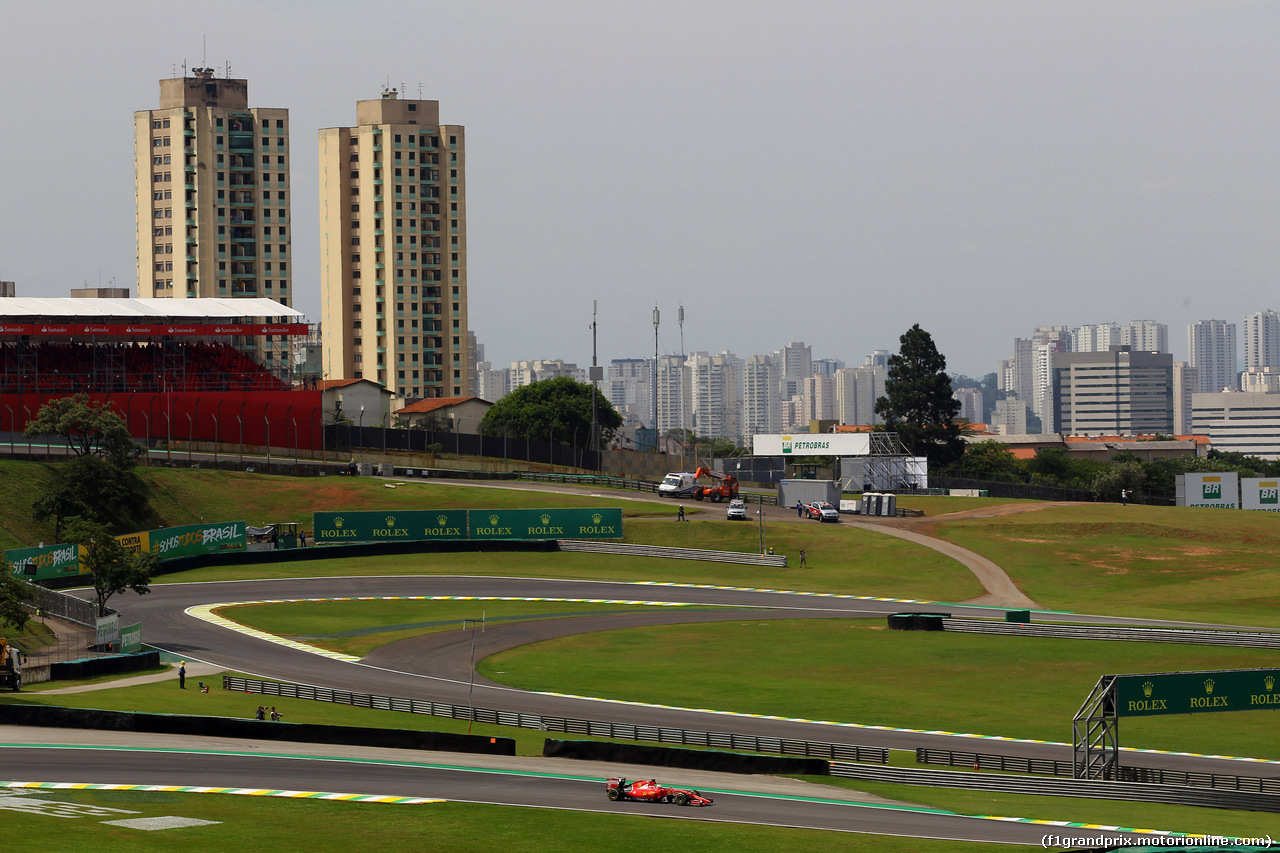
pixel 812 444
pixel 1260 493
pixel 1220 491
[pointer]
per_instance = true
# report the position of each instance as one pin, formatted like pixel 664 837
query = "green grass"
pixel 1159 562
pixel 854 672
pixel 260 823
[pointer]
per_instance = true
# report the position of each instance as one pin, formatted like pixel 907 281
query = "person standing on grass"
pixel 803 564
pixel 680 514
pixel 182 676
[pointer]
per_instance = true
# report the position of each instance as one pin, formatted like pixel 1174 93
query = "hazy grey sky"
pixel 830 172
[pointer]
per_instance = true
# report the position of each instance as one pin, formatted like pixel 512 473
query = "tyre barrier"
pixel 234 727
pixel 685 759
pixel 917 621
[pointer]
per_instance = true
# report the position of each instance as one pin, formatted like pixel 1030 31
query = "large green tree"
pixel 556 410
pixel 112 566
pixel 99 482
pixel 918 405
pixel 89 429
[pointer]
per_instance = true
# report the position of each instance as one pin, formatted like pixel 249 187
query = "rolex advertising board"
pixel 1219 490
pixel 1196 692
pixel 812 444
pixel 545 524
pixel 337 528
pixel 1260 493
pixel 332 528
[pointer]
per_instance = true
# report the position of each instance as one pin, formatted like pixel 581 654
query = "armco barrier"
pixel 590 728
pixel 1130 791
pixel 688 759
pixel 1193 636
pixel 80 718
pixel 73 670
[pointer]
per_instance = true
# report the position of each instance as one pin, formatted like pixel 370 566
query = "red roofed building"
pixel 462 414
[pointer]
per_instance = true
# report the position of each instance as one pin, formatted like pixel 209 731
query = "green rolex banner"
pixel 546 524
pixel 335 528
pixel 1197 692
pixel 445 525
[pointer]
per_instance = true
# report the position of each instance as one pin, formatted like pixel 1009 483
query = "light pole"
pixel 760 515
pixel 240 423
pixel 11 426
pixel 191 437
pixel 266 420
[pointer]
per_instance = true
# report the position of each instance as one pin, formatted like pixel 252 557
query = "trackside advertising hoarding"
pixel 1260 493
pixel 1219 490
pixel 47 561
pixel 812 444
pixel 459 525
pixel 1197 692
pixel 55 561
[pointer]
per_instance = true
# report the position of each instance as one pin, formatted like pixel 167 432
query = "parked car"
pixel 737 511
pixel 822 511
pixel 648 790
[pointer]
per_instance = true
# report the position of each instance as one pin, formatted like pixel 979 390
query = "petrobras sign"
pixel 812 444
pixel 1260 493
pixel 1218 491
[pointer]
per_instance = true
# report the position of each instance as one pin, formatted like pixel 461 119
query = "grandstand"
pixel 199 370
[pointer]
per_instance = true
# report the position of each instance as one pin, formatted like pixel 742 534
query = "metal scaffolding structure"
pixel 1096 733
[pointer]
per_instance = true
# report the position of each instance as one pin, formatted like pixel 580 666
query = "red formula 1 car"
pixel 649 790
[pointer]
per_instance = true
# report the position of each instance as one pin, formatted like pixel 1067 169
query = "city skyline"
pixel 832 174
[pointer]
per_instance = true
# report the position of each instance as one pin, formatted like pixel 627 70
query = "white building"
pixel 715 394
pixel 1009 417
pixel 629 387
pixel 1185 384
pixel 1239 422
pixel 1212 348
pixel 761 405
pixel 856 390
pixel 971 404
pixel 1262 340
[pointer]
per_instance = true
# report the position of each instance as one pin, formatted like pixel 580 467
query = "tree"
pixel 557 410
pixel 918 405
pixel 13 613
pixel 989 460
pixel 113 567
pixel 99 482
pixel 89 429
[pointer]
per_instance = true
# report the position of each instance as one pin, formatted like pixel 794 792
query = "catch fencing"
pixel 567 725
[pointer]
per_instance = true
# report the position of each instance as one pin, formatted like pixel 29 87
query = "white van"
pixel 679 484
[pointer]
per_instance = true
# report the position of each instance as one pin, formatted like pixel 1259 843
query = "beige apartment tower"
pixel 212 192
pixel 393 249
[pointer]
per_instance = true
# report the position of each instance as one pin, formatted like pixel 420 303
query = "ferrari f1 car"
pixel 648 790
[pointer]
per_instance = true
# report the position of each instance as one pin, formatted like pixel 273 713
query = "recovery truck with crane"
pixel 10 666
pixel 724 487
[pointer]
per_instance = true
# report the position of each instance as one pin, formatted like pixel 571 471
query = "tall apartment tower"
pixel 393 249
pixel 1262 340
pixel 1212 348
pixel 213 193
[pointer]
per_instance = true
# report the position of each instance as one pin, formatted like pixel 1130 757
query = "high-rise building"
pixel 1262 340
pixel 1186 382
pixel 1120 392
pixel 212 192
pixel 1145 336
pixel 857 389
pixel 761 407
pixel 715 395
pixel 393 249
pixel 1009 417
pixel 629 387
pixel 971 404
pixel 1212 348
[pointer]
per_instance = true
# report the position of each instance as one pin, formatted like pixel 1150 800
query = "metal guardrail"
pixel 989 761
pixel 1194 636
pixel 581 545
pixel 593 728
pixel 1047 786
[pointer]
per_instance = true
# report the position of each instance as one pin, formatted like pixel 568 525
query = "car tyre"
pixel 715 497
pixel 682 799
pixel 614 794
